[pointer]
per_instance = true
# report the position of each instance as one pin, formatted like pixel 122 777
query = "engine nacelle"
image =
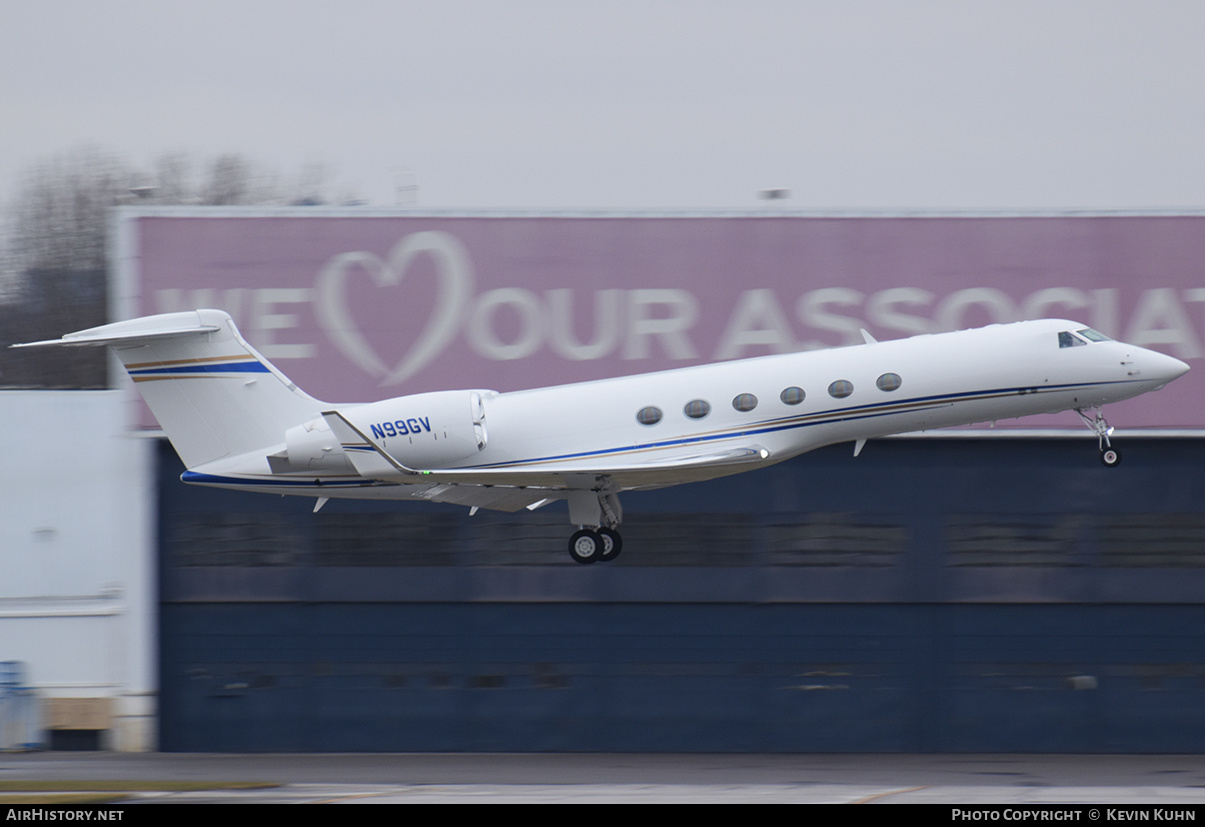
pixel 427 430
pixel 313 448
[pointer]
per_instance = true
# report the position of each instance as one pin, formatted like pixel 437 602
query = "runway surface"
pixel 1164 780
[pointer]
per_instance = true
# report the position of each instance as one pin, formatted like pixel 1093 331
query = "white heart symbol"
pixel 455 288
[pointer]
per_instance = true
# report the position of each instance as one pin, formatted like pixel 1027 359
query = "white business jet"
pixel 238 422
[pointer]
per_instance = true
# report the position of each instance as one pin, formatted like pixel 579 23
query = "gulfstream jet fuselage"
pixel 238 422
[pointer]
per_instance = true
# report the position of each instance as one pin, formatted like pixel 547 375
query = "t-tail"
pixel 213 394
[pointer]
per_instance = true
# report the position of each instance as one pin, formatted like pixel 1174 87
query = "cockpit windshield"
pixel 1081 337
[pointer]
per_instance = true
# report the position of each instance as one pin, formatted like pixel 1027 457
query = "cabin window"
pixel 744 402
pixel 1069 339
pixel 650 415
pixel 889 382
pixel 792 395
pixel 1093 336
pixel 697 408
pixel 840 389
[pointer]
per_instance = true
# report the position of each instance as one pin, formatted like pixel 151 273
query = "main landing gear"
pixel 597 512
pixel 589 546
pixel 1109 455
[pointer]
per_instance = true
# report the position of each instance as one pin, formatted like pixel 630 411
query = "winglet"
pixel 365 456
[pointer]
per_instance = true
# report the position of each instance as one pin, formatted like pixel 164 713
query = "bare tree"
pixel 172 181
pixel 228 183
pixel 56 252
pixel 62 209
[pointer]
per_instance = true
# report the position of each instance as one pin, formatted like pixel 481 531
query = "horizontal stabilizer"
pixel 166 326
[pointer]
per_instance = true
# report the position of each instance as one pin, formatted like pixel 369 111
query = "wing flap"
pixel 731 456
pixel 493 497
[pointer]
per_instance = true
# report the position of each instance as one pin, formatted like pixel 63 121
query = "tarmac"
pixel 969 780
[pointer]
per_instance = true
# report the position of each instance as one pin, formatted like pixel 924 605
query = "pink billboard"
pixel 358 307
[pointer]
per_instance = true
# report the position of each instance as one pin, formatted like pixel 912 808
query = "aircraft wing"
pixel 646 469
pixel 651 472
pixel 506 489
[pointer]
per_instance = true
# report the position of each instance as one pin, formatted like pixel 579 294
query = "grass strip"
pixel 122 785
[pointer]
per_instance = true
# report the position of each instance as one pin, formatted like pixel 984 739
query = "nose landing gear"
pixel 1109 455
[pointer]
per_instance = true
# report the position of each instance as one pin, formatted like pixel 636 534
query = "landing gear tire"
pixel 586 546
pixel 1109 455
pixel 612 544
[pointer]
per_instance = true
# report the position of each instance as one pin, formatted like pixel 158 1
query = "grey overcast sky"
pixel 994 104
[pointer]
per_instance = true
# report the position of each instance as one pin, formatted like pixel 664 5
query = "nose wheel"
pixel 1110 457
pixel 590 546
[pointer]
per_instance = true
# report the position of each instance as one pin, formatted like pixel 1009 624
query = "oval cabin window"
pixel 792 396
pixel 889 382
pixel 745 402
pixel 697 408
pixel 650 415
pixel 840 389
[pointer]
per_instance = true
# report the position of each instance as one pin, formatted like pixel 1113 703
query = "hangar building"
pixel 977 590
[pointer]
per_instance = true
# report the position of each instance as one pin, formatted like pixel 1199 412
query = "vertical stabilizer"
pixel 213 394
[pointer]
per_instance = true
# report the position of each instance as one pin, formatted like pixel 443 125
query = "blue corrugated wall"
pixel 947 594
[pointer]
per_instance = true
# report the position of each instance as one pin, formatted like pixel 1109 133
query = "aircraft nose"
pixel 1164 368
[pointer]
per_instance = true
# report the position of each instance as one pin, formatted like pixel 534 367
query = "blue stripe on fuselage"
pixel 197 478
pixel 228 367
